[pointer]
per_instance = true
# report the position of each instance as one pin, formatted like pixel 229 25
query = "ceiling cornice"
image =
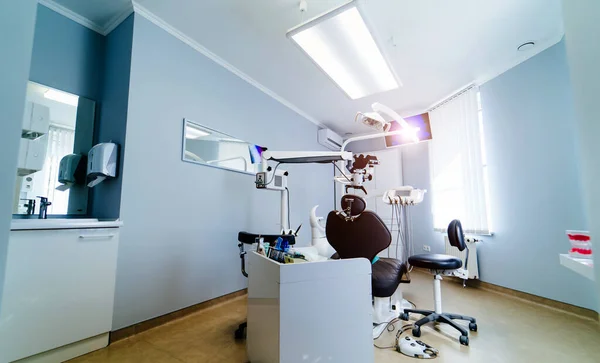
pixel 103 29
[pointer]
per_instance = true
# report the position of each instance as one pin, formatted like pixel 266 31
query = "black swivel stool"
pixel 439 265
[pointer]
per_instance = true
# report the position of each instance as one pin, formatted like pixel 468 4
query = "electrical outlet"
pixel 426 248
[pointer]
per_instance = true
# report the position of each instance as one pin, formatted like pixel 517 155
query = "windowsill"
pixel 480 234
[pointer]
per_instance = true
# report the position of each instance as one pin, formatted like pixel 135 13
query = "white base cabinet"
pixel 59 289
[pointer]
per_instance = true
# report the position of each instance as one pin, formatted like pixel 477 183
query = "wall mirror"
pixel 203 145
pixel 55 124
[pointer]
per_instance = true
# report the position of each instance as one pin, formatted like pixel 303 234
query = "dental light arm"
pixel 376 121
pixel 277 179
pixel 305 157
pixel 379 108
pixel 371 136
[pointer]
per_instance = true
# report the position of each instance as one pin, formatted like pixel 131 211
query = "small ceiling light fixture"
pixel 340 43
pixel 62 97
pixel 526 46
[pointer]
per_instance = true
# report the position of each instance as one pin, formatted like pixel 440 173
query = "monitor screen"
pixel 421 121
pixel 255 153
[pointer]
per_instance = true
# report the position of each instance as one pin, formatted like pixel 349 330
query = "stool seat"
pixel 434 261
pixel 386 275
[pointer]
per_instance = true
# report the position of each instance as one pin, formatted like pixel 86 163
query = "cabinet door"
pixel 40 118
pixel 59 288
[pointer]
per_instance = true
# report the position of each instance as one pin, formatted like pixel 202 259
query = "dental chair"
pixel 356 232
pixel 442 265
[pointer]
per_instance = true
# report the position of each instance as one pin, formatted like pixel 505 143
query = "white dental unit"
pixel 320 310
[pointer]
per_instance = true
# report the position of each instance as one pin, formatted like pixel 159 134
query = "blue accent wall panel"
pixel 66 55
pixel 112 115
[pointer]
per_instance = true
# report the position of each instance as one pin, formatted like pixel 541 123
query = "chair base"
pixel 240 333
pixel 446 318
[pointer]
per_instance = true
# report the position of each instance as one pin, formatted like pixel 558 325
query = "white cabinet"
pixel 32 155
pixel 59 289
pixel 309 312
pixel 34 142
pixel 36 118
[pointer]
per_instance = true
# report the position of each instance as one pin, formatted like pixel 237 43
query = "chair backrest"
pixel 356 232
pixel 456 235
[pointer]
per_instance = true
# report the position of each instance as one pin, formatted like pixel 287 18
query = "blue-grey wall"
pixel 367 145
pixel 415 172
pixel 17 20
pixel 535 186
pixel 112 115
pixel 66 55
pixel 178 245
pixel 75 59
pixel 583 51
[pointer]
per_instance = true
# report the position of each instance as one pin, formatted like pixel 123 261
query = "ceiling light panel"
pixel 340 43
pixel 62 97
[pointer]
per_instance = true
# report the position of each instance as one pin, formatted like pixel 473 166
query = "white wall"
pixel 178 245
pixel 582 31
pixel 17 21
pixel 535 186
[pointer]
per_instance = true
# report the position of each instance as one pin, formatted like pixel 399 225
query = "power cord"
pixel 390 327
pixel 398 334
pixel 273 176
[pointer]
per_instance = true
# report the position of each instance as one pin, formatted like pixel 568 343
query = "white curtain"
pixel 60 143
pixel 457 170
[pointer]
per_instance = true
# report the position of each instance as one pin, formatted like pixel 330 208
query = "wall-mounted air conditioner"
pixel 330 139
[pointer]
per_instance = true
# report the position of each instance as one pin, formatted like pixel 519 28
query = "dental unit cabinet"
pixel 59 288
pixel 327 300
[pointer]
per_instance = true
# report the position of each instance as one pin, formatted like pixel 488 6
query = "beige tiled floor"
pixel 510 330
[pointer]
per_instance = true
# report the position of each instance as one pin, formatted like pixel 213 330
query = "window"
pixel 60 143
pixel 458 163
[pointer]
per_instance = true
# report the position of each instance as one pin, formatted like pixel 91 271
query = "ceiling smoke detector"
pixel 526 46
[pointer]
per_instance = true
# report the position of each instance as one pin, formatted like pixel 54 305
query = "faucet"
pixel 44 203
pixel 30 206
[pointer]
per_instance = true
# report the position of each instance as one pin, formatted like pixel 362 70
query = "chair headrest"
pixel 456 235
pixel 353 205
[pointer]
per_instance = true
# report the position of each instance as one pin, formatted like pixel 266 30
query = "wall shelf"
pixel 582 266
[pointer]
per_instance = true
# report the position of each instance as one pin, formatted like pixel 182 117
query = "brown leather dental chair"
pixel 355 232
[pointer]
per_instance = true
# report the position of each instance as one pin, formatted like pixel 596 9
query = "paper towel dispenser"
pixel 102 163
pixel 71 171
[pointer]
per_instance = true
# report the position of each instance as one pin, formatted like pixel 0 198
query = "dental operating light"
pixel 340 43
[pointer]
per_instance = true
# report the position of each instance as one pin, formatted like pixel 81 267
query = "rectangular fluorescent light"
pixel 194 133
pixel 340 43
pixel 62 97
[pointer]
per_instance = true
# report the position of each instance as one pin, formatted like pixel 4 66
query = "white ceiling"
pixel 436 47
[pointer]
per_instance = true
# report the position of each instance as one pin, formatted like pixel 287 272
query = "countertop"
pixel 60 223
